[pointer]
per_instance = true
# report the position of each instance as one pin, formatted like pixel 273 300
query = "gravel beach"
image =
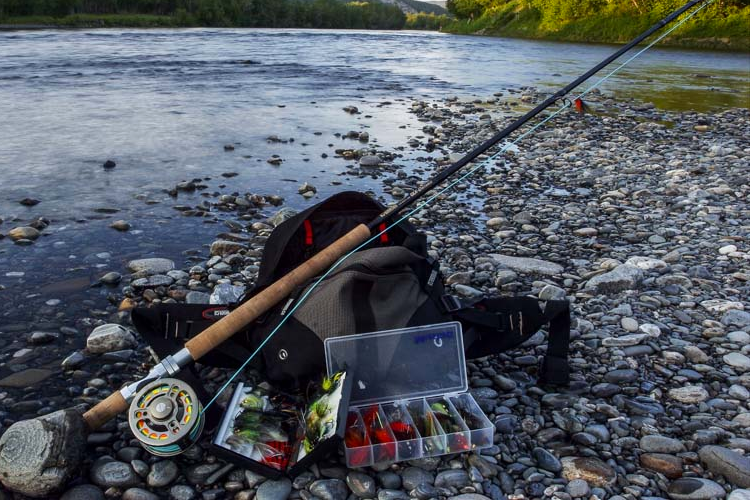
pixel 639 217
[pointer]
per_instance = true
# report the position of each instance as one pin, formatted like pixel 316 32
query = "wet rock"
pixel 109 164
pixel 546 460
pixel 693 488
pixel 728 463
pixel 551 292
pixel 108 338
pixel 624 277
pixel 739 495
pixel 39 456
pixel 689 394
pixel 23 233
pixel 282 215
pixel 452 478
pixel 139 494
pixel 592 470
pixel 38 338
pixel 329 489
pixel 413 476
pixel 151 266
pixel 83 492
pixel 624 340
pixel 182 492
pixel 29 202
pixel 528 265
pixel 162 474
pixel 113 474
pixel 225 247
pixel 111 278
pixel 370 161
pixel 578 488
pixel 120 225
pixel 274 490
pixel 661 444
pixel 669 465
pixel 737 360
pixel 361 484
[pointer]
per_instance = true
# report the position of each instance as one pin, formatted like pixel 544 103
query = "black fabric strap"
pixel 494 325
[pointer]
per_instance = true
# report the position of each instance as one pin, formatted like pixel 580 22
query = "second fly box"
pixel 277 434
pixel 408 397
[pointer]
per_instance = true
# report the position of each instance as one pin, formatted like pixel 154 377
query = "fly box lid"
pixel 400 364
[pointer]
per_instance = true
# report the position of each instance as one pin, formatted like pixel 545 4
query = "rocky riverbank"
pixel 637 216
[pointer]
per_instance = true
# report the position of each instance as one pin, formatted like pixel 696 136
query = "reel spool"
pixel 165 416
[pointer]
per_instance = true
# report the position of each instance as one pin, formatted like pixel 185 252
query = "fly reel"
pixel 166 417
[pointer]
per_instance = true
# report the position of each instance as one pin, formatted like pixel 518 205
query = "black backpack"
pixel 391 283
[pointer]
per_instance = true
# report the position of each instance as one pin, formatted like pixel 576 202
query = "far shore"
pixel 154 21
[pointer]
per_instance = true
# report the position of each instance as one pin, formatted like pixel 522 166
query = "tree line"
pixel 557 12
pixel 232 13
pixel 723 24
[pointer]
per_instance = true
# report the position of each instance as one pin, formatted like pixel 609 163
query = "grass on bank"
pixel 516 20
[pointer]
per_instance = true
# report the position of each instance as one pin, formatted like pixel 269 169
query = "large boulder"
pixel 38 457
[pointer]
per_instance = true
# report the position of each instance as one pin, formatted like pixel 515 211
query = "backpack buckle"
pixel 450 303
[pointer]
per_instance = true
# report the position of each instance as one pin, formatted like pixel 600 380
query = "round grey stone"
pixel 162 474
pixel 139 494
pixel 693 488
pixel 114 474
pixel 452 478
pixel 728 463
pixel 578 488
pixel 361 484
pixel 83 492
pixel 274 490
pixel 182 492
pixel 329 489
pixel 661 444
pixel 414 476
pixel 546 460
pixel 389 480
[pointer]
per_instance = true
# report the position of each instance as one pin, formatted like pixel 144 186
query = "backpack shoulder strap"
pixel 494 325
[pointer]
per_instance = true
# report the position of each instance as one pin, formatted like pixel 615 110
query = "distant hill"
pixel 415 6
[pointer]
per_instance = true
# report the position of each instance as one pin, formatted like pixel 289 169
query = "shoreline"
pixel 646 223
pixel 167 22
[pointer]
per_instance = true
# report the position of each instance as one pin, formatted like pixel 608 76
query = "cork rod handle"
pixel 105 410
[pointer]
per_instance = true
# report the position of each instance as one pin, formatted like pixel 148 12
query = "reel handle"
pixel 105 410
pixel 211 337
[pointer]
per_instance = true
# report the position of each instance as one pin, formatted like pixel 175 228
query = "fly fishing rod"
pixel 165 415
pixel 250 310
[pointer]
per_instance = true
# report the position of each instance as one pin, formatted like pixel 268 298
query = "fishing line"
pixel 421 205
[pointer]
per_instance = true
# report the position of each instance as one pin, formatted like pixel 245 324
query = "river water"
pixel 163 103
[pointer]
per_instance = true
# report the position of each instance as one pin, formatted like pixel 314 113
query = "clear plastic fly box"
pixel 408 397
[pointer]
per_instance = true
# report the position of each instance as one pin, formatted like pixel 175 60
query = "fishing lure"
pixel 356 442
pixel 380 435
pixel 320 418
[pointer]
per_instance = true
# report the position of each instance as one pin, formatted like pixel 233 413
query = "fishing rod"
pixel 161 397
pixel 334 254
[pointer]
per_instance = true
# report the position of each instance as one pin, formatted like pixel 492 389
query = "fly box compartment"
pixel 408 397
pixel 276 434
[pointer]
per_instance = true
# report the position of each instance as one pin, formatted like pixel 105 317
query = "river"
pixel 163 104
